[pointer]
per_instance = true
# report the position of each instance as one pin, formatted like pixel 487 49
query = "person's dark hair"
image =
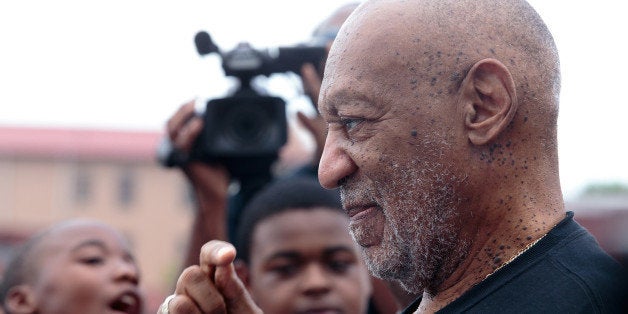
pixel 19 269
pixel 298 193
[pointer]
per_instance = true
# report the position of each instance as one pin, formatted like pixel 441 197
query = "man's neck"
pixel 492 249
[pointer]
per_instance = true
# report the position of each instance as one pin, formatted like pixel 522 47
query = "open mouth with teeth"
pixel 127 303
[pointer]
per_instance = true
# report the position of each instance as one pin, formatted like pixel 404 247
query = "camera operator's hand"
pixel 183 128
pixel 212 287
pixel 210 182
pixel 315 125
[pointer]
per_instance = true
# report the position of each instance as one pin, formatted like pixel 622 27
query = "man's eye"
pixel 339 266
pixel 93 260
pixel 286 270
pixel 350 123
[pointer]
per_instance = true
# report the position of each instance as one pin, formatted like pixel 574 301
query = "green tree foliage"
pixel 612 188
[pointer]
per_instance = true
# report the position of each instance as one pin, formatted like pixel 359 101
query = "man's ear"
pixel 489 100
pixel 20 300
pixel 243 271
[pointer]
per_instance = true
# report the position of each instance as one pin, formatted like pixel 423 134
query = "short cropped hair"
pixel 296 193
pixel 21 268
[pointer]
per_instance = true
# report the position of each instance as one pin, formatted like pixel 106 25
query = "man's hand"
pixel 183 128
pixel 212 287
pixel 315 125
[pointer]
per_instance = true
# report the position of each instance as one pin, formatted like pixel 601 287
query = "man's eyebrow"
pixel 90 242
pixel 333 100
pixel 283 254
pixel 326 252
pixel 338 249
pixel 100 244
pixel 347 98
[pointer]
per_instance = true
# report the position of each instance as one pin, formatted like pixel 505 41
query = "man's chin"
pixel 382 268
pixel 409 283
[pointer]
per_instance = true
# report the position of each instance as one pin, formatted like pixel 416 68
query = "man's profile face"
pixel 391 148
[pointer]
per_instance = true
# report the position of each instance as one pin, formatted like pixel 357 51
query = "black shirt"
pixel 565 272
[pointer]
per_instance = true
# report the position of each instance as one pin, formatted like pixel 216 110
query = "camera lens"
pixel 247 125
pixel 243 127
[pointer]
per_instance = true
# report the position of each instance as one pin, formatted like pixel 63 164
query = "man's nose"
pixel 335 163
pixel 127 271
pixel 315 281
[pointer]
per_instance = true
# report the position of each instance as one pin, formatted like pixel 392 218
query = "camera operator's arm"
pixel 315 125
pixel 210 183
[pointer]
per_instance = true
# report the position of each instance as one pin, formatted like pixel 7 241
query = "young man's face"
pixel 86 269
pixel 304 261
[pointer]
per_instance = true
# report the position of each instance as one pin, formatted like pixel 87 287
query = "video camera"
pixel 245 130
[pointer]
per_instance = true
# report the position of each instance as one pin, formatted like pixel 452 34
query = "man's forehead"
pixel 70 236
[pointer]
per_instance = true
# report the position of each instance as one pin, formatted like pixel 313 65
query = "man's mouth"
pixel 356 209
pixel 361 212
pixel 366 223
pixel 128 302
pixel 321 310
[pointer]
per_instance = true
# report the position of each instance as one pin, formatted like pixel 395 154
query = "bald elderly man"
pixel 442 140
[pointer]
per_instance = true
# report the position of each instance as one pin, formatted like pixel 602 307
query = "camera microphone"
pixel 204 43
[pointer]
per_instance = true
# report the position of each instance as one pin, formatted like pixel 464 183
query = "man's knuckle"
pixel 192 275
pixel 183 306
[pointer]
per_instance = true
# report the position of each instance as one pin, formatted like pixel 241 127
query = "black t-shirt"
pixel 565 272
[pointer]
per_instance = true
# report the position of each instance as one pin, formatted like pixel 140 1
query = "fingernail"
pixel 223 251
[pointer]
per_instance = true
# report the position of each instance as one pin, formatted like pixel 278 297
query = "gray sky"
pixel 130 64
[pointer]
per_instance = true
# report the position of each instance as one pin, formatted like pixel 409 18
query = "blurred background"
pixel 86 87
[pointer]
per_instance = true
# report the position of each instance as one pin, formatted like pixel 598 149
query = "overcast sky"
pixel 128 64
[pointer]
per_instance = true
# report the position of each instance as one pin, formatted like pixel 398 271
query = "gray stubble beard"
pixel 421 247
